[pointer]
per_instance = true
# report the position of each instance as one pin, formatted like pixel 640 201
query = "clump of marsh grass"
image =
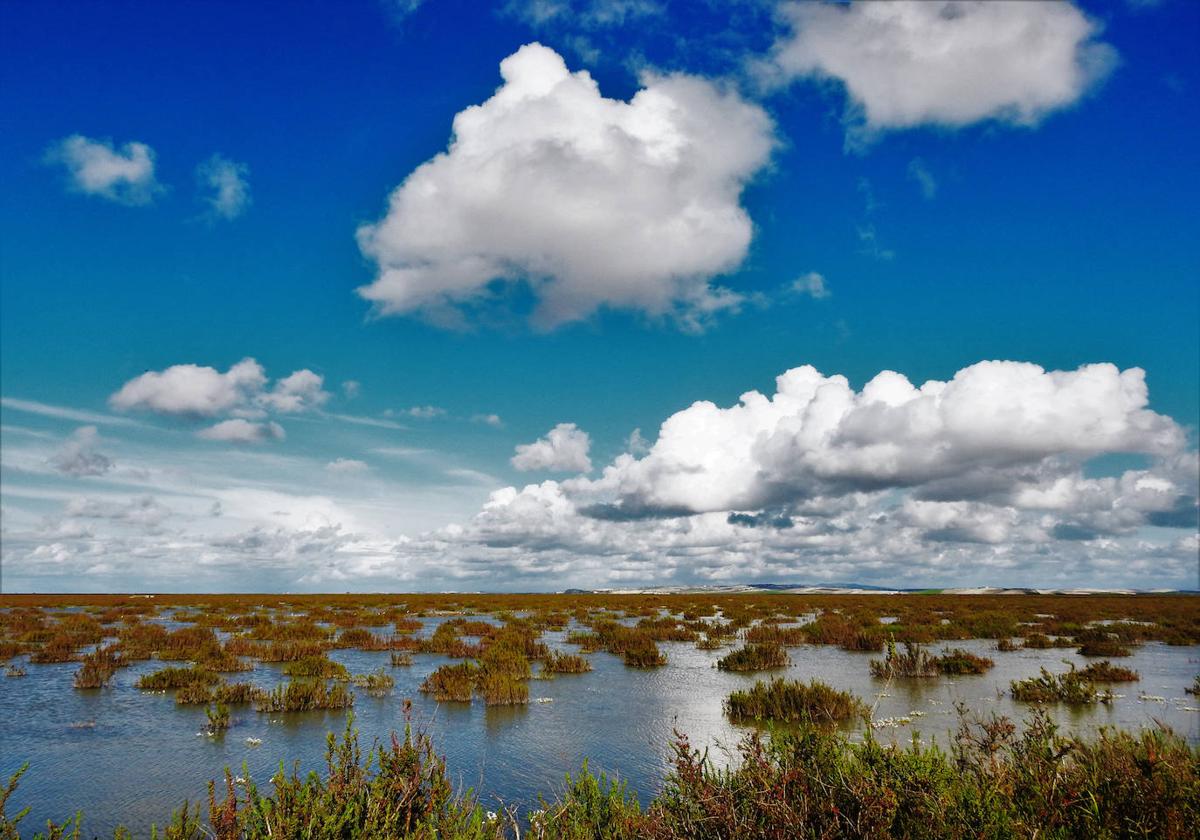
pixel 399 659
pixel 14 671
pixel 304 696
pixel 1038 641
pixel 915 661
pixel 218 718
pixel 233 693
pixel 792 701
pixel 959 661
pixel 755 657
pixel 316 666
pixel 453 683
pixel 1106 672
pixel 194 694
pixel 166 679
pixel 501 689
pixel 98 667
pixel 1071 687
pixel 376 684
pixel 565 663
pixel 1007 645
pixel 1104 647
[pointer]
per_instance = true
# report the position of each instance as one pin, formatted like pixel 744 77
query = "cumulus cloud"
pixel 190 390
pixel 951 63
pixel 96 167
pixel 817 436
pixel 347 466
pixel 225 187
pixel 591 202
pixel 239 430
pixel 79 457
pixel 492 420
pixel 300 391
pixel 563 449
pixel 811 284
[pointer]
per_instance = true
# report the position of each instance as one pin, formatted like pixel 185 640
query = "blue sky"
pixel 1039 210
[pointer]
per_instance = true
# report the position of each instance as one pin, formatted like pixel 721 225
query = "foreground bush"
pixel 809 782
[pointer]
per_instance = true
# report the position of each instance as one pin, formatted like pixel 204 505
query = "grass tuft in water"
pixel 792 701
pixel 755 657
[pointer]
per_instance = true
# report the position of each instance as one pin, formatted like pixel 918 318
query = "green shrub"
pixel 792 701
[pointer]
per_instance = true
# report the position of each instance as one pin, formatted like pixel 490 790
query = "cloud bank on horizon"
pixel 981 475
pixel 556 205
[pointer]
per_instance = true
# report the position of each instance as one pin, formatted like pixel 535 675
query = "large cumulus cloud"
pixel 923 62
pixel 592 202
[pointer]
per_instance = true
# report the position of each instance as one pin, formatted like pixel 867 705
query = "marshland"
pixel 129 706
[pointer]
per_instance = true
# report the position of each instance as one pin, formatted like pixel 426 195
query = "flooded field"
pixel 128 756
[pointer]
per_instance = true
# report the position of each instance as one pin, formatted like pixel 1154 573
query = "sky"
pixel 425 295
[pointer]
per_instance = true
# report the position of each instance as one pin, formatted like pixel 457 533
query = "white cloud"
pixel 191 389
pixel 347 466
pixel 60 412
pixel 351 388
pixel 239 430
pixel 593 202
pixel 300 391
pixel 919 172
pixel 226 186
pixel 425 412
pixel 95 167
pixel 817 436
pixel 563 449
pixel 79 457
pixel 908 63
pixel 811 284
pixel 492 420
pixel 200 391
pixel 589 14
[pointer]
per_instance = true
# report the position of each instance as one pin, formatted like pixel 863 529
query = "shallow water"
pixel 144 755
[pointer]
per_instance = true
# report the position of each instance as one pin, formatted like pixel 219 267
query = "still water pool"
pixel 123 756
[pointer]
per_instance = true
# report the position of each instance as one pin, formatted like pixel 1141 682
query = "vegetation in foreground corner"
pixel 805 782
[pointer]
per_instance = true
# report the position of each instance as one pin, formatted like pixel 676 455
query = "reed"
pixel 292 651
pixel 304 696
pixel 453 683
pixel 194 694
pixel 1104 647
pixel 755 657
pixel 501 689
pixel 376 684
pixel 316 666
pixel 792 701
pixel 1106 672
pixel 98 667
pixel 166 679
pixel 1071 688
pixel 400 660
pixel 565 663
pixel 218 718
pixel 915 661
pixel 14 671
pixel 959 661
pixel 235 693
